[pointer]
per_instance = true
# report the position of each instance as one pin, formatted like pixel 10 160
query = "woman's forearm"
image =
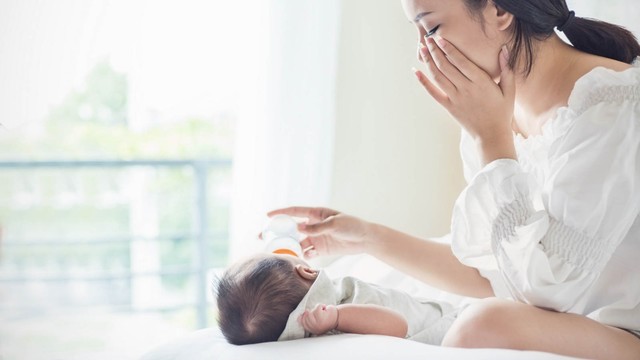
pixel 428 261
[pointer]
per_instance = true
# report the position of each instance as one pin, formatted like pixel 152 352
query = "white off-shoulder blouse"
pixel 560 227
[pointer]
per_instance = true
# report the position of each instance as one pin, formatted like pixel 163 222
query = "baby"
pixel 273 297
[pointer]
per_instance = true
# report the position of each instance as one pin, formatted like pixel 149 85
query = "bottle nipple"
pixel 282 236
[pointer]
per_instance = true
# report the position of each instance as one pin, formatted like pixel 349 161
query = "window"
pixel 143 142
pixel 118 127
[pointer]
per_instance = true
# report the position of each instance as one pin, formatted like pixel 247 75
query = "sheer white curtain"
pixel 47 50
pixel 284 138
pixel 190 58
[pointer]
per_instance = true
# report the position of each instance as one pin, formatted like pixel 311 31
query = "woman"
pixel 551 149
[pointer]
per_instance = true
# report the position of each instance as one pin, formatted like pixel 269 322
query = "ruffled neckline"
pixel 589 89
pixel 588 84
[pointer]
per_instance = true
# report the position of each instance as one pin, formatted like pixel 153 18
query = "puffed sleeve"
pixel 550 254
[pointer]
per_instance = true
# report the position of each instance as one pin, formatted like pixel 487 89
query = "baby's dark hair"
pixel 255 299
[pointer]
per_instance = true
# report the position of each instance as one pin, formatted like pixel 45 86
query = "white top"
pixel 560 227
pixel 428 320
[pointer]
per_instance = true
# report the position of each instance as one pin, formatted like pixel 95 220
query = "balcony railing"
pixel 200 233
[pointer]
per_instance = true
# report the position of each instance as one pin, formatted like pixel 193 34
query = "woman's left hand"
pixel 482 107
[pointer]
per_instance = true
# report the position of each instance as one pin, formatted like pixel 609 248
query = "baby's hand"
pixel 321 319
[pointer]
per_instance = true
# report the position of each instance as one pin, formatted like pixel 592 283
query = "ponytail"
pixel 536 20
pixel 601 38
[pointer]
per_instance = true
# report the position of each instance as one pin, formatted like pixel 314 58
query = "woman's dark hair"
pixel 255 299
pixel 536 20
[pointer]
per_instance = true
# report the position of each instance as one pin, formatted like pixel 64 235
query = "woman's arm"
pixel 355 319
pixel 431 262
pixel 330 232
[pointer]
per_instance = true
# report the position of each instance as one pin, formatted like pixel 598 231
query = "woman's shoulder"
pixel 603 111
pixel 606 81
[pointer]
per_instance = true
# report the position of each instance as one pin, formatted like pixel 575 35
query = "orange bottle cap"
pixel 284 252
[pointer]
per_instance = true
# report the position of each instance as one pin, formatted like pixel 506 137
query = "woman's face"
pixel 478 40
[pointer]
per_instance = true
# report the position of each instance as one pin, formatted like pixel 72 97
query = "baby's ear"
pixel 306 272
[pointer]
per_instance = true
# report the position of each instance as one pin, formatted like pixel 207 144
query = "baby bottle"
pixel 282 237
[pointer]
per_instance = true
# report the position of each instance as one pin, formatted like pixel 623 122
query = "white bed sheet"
pixel 208 344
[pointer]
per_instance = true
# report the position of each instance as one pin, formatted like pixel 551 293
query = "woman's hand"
pixel 321 319
pixel 330 232
pixel 482 107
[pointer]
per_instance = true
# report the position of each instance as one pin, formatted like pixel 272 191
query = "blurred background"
pixel 144 141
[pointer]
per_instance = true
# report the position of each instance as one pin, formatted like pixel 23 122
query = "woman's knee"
pixel 487 323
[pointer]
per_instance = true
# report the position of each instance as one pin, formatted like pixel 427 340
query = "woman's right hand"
pixel 330 232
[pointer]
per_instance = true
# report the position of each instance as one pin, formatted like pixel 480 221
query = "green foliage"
pixel 92 123
pixel 102 101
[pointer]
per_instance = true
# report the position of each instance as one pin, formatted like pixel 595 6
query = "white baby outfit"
pixel 428 320
pixel 560 227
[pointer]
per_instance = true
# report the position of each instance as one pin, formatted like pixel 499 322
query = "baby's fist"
pixel 320 319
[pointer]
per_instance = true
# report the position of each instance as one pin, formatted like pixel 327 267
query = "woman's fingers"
pixel 313 213
pixel 317 228
pixel 465 66
pixel 309 247
pixel 297 211
pixel 313 247
pixel 337 234
pixel 440 80
pixel 435 93
pixel 443 64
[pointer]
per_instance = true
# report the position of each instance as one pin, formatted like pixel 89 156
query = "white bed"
pixel 209 344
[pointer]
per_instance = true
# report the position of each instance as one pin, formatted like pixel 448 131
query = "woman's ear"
pixel 501 18
pixel 306 272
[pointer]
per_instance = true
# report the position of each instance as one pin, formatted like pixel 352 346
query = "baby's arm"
pixel 354 318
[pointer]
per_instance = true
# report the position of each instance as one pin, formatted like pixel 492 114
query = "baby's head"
pixel 256 296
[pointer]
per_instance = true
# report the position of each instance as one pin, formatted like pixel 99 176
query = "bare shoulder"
pixel 590 62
